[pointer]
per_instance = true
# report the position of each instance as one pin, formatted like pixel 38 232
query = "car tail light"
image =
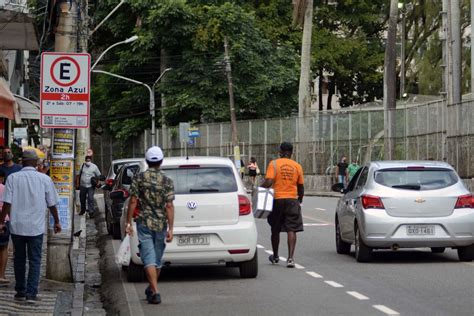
pixel 369 201
pixel 245 207
pixel 109 182
pixel 238 251
pixel 465 201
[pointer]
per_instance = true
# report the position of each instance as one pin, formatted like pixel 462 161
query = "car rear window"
pixel 416 178
pixel 117 166
pixel 202 180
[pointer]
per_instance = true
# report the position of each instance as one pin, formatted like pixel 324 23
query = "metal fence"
pixel 432 130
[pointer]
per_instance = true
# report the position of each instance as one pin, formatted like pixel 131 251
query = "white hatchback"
pixel 213 223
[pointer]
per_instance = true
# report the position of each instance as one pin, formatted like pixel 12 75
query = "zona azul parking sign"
pixel 65 90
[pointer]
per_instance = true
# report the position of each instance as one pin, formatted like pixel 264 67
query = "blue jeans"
pixel 89 194
pixel 31 245
pixel 152 245
pixel 342 179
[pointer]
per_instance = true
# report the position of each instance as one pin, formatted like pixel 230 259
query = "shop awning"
pixel 17 31
pixel 7 101
pixel 29 110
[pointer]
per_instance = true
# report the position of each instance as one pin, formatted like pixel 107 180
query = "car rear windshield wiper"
pixel 203 190
pixel 407 186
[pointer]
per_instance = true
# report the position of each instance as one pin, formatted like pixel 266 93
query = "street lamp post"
pixel 128 40
pixel 151 90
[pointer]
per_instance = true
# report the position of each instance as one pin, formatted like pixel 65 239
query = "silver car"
pixel 405 204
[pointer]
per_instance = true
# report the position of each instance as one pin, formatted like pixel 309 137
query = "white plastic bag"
pixel 123 255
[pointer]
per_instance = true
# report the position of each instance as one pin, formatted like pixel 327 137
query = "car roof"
pixel 409 163
pixel 192 160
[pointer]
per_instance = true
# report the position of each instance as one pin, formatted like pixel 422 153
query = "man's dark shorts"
pixel 5 235
pixel 286 216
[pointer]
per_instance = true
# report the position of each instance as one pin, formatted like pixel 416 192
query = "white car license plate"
pixel 420 230
pixel 193 240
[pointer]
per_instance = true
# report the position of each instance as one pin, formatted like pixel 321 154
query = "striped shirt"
pixel 30 193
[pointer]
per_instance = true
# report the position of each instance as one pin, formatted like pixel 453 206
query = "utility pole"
pixel 233 119
pixel 58 265
pixel 163 67
pixel 472 47
pixel 445 48
pixel 402 53
pixel 456 49
pixel 389 82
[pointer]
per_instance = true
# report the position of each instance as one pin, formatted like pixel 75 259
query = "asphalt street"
pixel 406 282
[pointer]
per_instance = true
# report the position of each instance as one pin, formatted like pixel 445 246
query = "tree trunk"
pixel 330 93
pixel 320 89
pixel 304 93
pixel 389 82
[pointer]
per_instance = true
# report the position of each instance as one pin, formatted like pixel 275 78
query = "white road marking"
pixel 269 252
pixel 319 220
pixel 316 224
pixel 319 209
pixel 357 295
pixel 333 284
pixel 314 274
pixel 297 266
pixel 386 310
pixel 260 247
pixel 282 258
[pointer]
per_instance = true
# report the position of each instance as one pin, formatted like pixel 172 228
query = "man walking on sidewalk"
pixel 153 192
pixel 27 195
pixel 286 177
pixel 88 175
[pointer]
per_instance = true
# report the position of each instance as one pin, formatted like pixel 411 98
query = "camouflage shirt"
pixel 153 190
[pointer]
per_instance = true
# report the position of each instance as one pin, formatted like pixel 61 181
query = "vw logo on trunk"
pixel 192 205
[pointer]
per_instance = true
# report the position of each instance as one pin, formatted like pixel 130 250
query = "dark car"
pixel 122 182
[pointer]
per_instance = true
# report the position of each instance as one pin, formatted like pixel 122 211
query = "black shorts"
pixel 286 216
pixel 5 235
pixel 252 173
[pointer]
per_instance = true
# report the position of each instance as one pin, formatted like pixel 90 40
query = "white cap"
pixel 154 154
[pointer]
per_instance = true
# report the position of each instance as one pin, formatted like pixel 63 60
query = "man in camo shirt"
pixel 153 193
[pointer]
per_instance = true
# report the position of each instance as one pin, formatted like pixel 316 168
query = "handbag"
pixel 123 254
pixel 77 180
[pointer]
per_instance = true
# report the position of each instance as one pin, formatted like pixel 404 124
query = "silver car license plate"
pixel 417 230
pixel 193 240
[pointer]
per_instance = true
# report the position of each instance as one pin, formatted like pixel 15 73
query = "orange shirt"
pixel 289 173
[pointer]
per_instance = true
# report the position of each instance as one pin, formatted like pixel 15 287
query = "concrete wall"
pixel 317 183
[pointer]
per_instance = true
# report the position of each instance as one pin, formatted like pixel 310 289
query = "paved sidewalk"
pixel 58 298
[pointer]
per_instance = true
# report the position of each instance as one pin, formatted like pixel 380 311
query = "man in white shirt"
pixel 28 193
pixel 87 186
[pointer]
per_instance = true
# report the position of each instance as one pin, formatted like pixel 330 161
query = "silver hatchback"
pixel 405 204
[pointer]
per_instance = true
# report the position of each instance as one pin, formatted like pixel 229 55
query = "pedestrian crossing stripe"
pixel 316 224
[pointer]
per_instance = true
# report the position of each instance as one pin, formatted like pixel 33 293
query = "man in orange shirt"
pixel 286 177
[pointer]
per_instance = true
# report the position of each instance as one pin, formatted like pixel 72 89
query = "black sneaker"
pixel 32 299
pixel 148 292
pixel 274 259
pixel 20 297
pixel 154 299
pixel 82 212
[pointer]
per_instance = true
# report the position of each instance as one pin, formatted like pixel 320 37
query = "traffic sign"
pixel 65 90
pixel 193 132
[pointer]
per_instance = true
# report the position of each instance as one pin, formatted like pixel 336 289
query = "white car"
pixel 213 222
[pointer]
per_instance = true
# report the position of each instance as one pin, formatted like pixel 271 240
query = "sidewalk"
pixel 58 298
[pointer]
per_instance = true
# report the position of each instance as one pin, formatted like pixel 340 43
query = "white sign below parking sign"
pixel 65 90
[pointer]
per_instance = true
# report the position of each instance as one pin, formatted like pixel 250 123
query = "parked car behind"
pixel 109 184
pixel 405 204
pixel 121 184
pixel 213 217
